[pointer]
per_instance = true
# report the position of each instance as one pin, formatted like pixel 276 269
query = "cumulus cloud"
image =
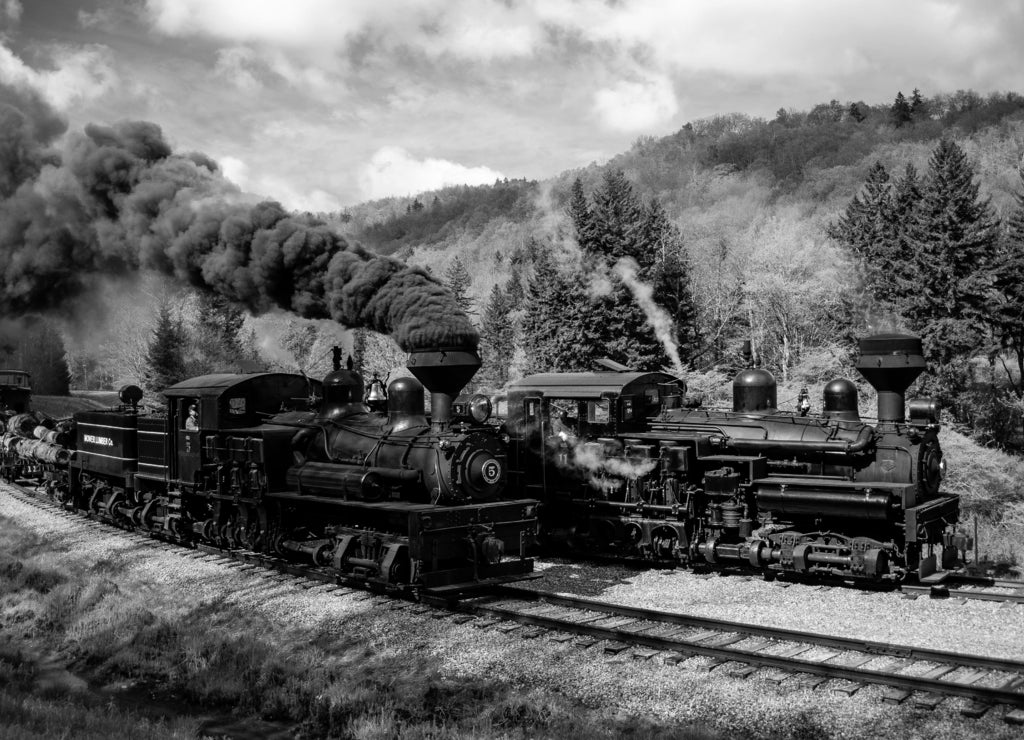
pixel 77 73
pixel 636 106
pixel 393 171
pixel 266 185
pixel 470 28
pixel 237 65
pixel 10 11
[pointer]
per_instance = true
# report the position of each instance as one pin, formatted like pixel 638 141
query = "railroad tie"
pixel 644 654
pixel 743 671
pixel 893 695
pixel 811 681
pixel 1014 717
pixel 927 700
pixel 975 709
pixel 847 687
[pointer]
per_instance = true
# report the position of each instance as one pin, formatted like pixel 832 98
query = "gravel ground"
pixel 171 583
pixel 975 626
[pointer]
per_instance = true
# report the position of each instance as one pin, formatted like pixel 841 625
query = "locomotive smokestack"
pixel 444 372
pixel 891 362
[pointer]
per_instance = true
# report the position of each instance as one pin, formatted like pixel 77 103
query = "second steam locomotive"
pixel 622 467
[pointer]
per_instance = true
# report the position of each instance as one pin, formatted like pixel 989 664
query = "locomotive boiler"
pixel 623 467
pixel 279 464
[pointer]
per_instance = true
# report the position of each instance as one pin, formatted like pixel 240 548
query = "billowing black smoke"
pixel 118 200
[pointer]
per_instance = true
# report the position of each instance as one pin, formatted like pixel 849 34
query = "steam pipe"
pixel 864 438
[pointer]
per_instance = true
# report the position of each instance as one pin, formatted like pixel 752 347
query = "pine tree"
pixel 164 361
pixel 868 228
pixel 669 276
pixel 952 238
pixel 514 290
pixel 579 214
pixel 1008 299
pixel 497 338
pixel 918 108
pixel 615 219
pixel 560 332
pixel 216 336
pixel 900 113
pixel 458 281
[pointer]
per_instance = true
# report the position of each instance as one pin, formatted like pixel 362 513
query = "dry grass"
pixel 991 488
pixel 215 659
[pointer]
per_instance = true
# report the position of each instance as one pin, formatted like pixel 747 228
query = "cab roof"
pixel 589 385
pixel 217 384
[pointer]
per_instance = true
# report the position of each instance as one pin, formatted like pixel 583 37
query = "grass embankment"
pixel 991 486
pixel 82 656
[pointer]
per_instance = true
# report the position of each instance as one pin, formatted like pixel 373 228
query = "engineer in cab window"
pixel 192 422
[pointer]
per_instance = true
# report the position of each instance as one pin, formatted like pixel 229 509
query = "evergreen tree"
pixel 219 328
pixel 856 113
pixel 896 276
pixel 579 214
pixel 497 339
pixel 165 364
pixel 514 290
pixel 670 277
pixel 900 113
pixel 952 238
pixel 1008 299
pixel 918 109
pixel 559 332
pixel 615 219
pixel 458 281
pixel 37 347
pixel 868 228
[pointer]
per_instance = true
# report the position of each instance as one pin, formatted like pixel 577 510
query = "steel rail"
pixel 1006 693
pixel 774 633
pixel 962 593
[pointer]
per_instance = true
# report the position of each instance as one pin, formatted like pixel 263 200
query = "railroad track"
pixel 970 588
pixel 920 675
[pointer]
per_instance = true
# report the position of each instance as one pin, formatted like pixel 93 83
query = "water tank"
pixel 840 400
pixel 405 397
pixel 754 392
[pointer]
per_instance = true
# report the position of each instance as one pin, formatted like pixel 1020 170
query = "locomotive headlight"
pixel 942 469
pixel 480 408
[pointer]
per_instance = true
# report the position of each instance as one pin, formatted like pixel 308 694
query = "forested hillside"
pixel 676 251
pixel 747 214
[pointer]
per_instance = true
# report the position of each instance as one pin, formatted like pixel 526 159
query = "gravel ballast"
pixel 169 583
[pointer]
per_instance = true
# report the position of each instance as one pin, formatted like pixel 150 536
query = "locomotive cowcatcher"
pixel 623 467
pixel 276 463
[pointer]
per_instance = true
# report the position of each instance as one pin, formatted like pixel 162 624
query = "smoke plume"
pixel 117 200
pixel 660 321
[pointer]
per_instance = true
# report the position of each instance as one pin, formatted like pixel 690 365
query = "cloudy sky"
pixel 324 103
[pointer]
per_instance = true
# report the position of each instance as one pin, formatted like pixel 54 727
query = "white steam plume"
pixel 626 269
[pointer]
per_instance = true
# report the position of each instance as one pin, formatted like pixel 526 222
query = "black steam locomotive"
pixel 276 463
pixel 618 461
pixel 623 467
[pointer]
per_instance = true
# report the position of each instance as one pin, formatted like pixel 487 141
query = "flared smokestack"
pixel 891 362
pixel 444 372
